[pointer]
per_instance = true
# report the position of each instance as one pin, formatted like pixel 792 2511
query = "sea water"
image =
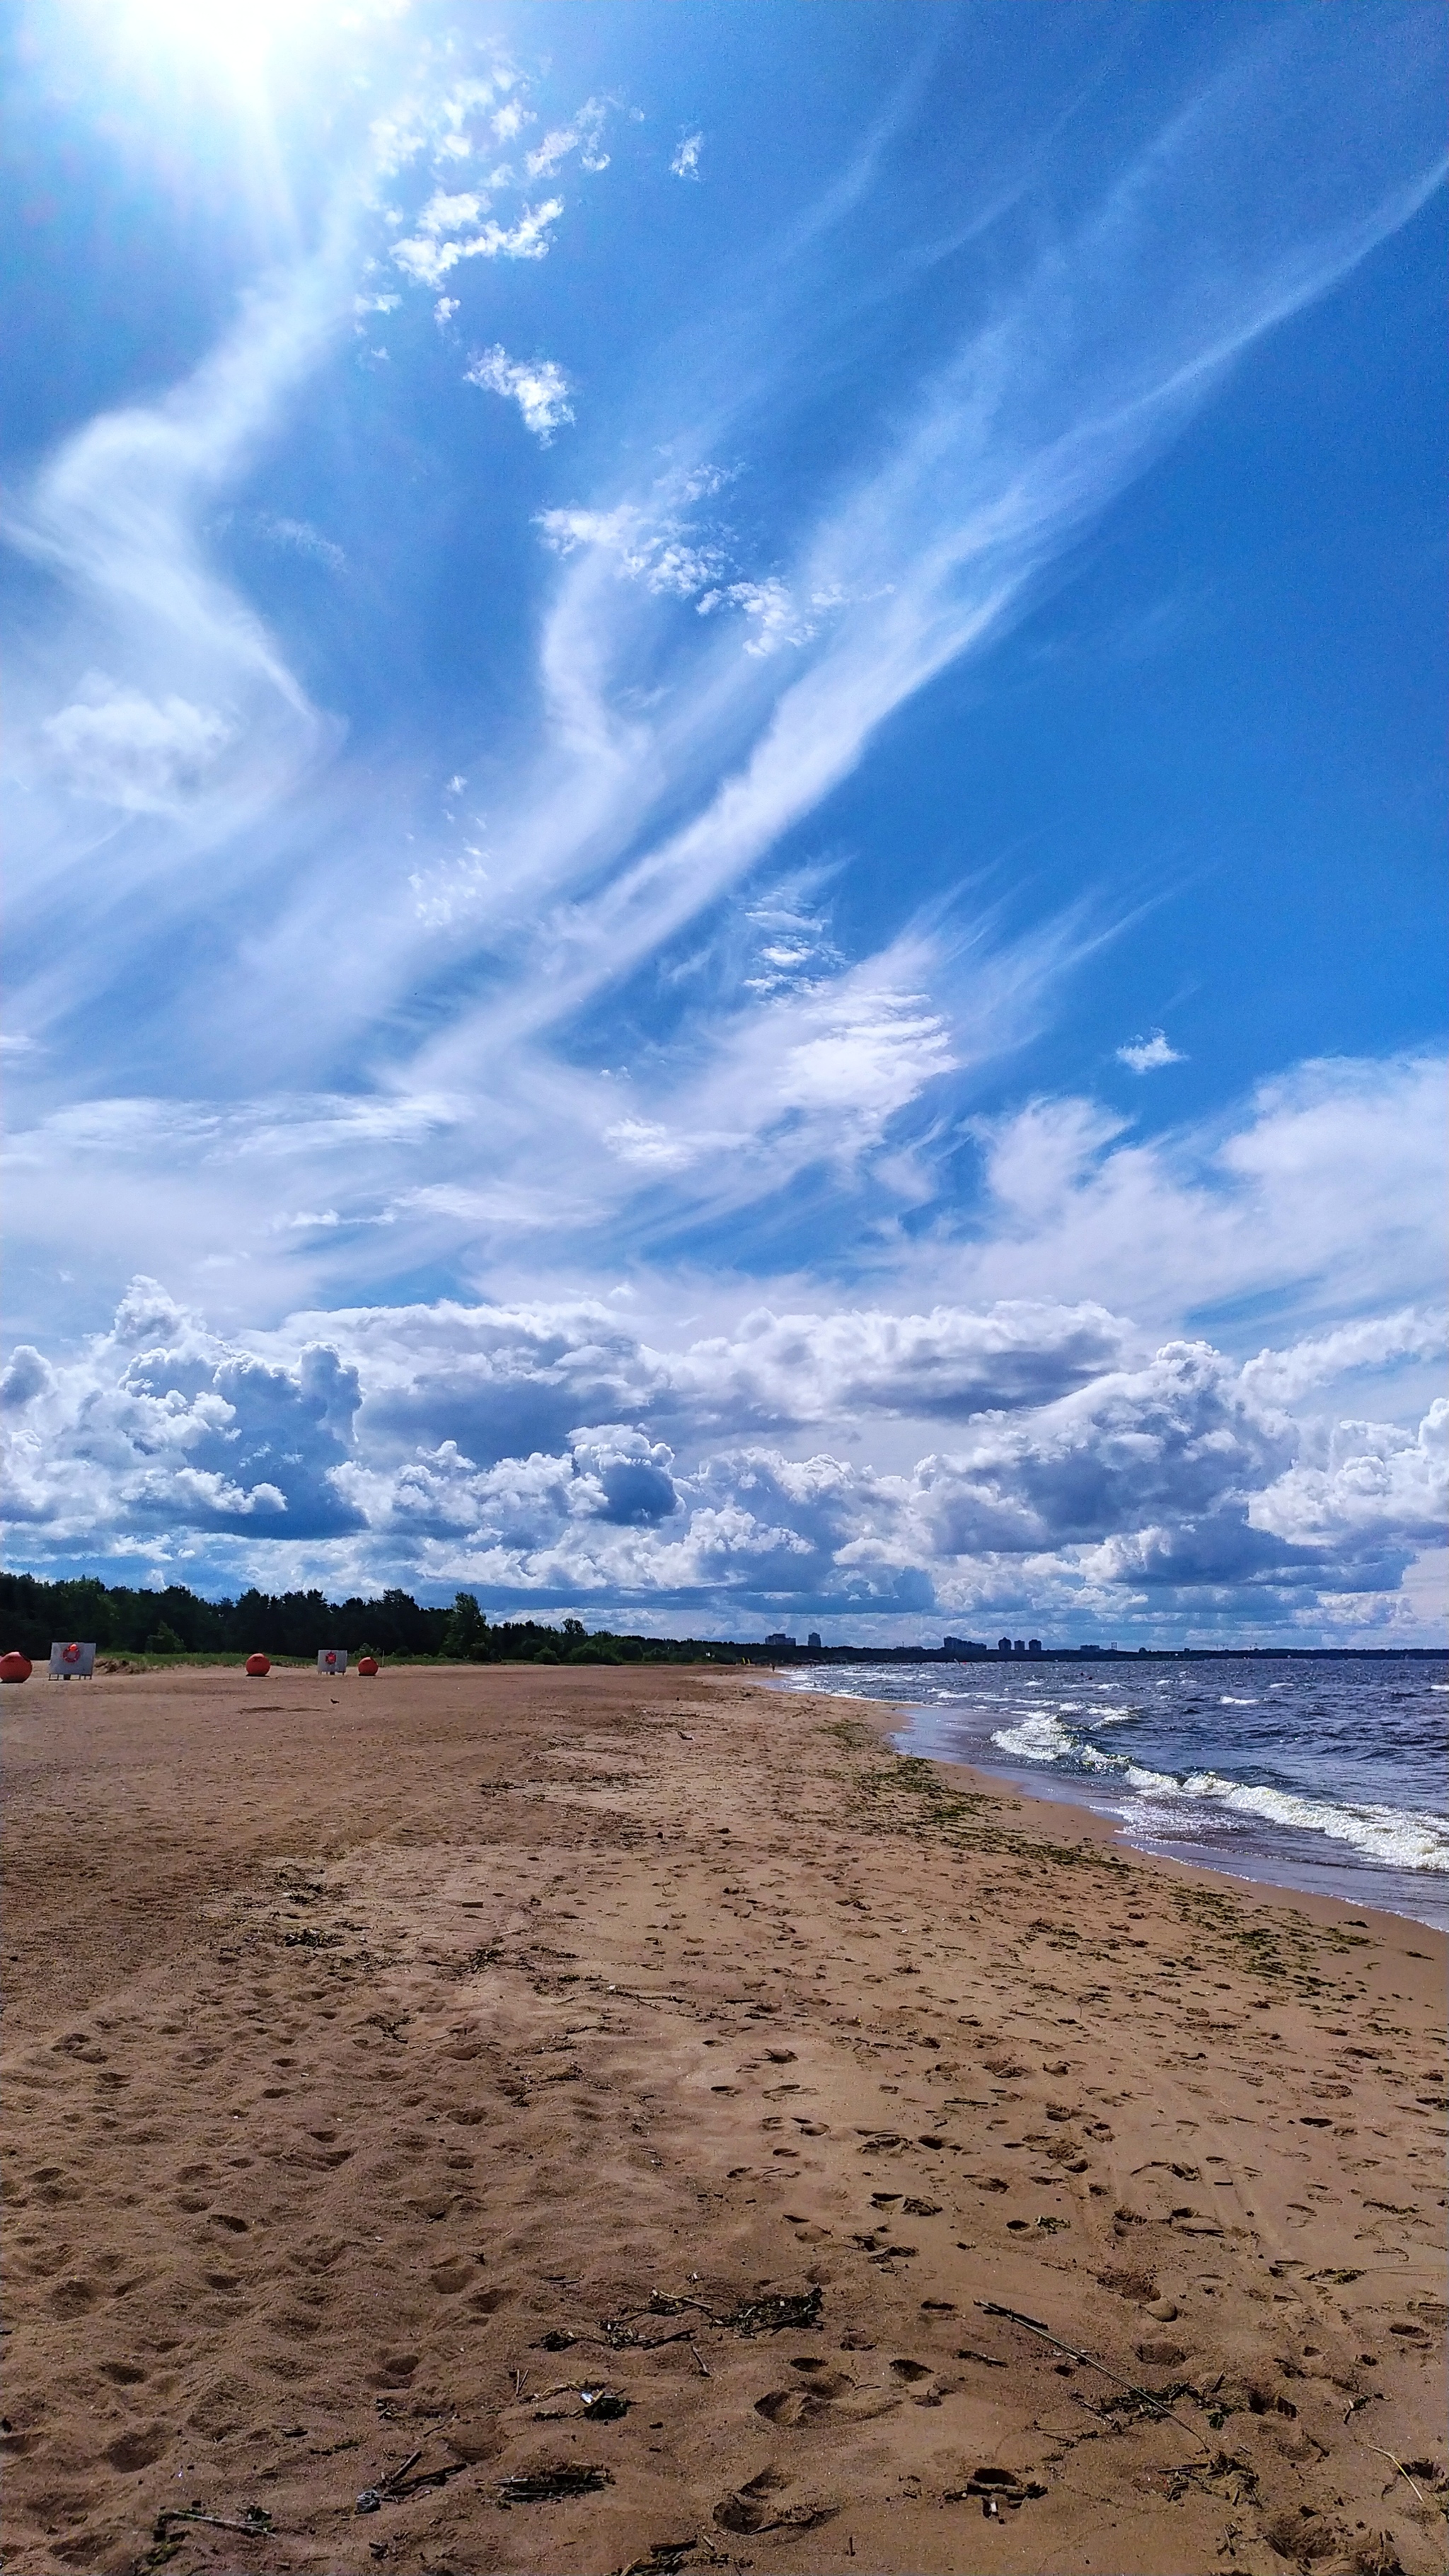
pixel 1324 1776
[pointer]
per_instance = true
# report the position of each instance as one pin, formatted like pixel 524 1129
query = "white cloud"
pixel 1323 1189
pixel 1372 1342
pixel 660 551
pixel 444 214
pixel 539 388
pixel 770 604
pixel 298 536
pixel 1382 1481
pixel 428 256
pixel 1144 1055
pixel 551 1451
pixel 123 748
pixel 821 1103
pixel 582 135
pixel 684 161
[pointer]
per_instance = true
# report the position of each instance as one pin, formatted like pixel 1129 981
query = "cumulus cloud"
pixel 684 161
pixel 554 1452
pixel 1144 1055
pixel 540 389
pixel 1381 1481
pixel 443 239
pixel 122 748
pixel 163 1426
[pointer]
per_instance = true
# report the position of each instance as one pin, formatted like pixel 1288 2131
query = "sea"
pixel 1329 1777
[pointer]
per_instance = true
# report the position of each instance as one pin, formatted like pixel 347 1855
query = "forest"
pixel 119 1620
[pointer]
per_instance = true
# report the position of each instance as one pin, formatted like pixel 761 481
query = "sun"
pixel 237 37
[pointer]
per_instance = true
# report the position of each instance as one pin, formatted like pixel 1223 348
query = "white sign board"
pixel 71 1663
pixel 332 1659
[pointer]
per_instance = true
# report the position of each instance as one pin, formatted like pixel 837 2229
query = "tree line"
pixel 179 1622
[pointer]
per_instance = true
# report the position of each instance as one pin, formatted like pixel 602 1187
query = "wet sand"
pixel 460 2086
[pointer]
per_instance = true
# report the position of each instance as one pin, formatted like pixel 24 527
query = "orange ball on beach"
pixel 258 1665
pixel 15 1667
pixel 367 1665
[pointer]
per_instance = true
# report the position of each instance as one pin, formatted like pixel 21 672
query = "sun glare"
pixel 235 36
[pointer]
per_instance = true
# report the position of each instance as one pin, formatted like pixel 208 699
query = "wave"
pixel 1059 1733
pixel 1395 1837
pixel 1039 1738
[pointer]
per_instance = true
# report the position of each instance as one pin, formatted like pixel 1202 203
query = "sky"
pixel 724 791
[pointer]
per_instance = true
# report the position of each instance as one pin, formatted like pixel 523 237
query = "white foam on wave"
pixel 1226 1702
pixel 1039 1738
pixel 1396 1837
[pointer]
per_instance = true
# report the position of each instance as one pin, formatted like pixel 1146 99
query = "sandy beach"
pixel 632 2120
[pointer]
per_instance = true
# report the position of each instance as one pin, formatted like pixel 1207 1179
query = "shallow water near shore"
pixel 1328 1777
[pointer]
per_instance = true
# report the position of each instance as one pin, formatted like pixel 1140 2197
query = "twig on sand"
pixel 1399 2465
pixel 1034 2326
pixel 262 2529
pixel 705 2371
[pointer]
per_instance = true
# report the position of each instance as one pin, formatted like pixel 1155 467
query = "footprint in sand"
pixel 828 2395
pixel 446 2278
pixel 72 2298
pixel 137 2450
pixel 759 2506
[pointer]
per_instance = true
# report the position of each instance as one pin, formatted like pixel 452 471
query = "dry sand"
pixel 391 2064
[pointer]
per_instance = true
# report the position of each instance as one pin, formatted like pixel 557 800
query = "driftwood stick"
pixel 410 2462
pixel 1399 2465
pixel 218 2522
pixel 1034 2326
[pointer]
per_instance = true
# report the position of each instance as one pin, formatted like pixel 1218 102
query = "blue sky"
pixel 725 792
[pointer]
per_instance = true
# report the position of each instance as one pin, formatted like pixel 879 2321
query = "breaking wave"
pixel 1395 1837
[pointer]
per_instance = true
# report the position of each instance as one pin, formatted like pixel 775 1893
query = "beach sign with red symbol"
pixel 70 1663
pixel 332 1659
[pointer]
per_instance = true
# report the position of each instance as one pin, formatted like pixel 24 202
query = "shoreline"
pixel 396 2070
pixel 1252 1870
pixel 1043 1814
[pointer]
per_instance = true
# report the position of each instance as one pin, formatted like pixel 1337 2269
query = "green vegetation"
pixel 294 1624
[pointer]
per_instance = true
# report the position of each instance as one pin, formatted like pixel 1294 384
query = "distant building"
pixel 1033 1645
pixel 777 1637
pixel 1019 1646
pixel 1003 1645
pixel 963 1646
pixel 814 1639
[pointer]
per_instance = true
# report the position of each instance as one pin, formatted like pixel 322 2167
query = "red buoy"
pixel 257 1665
pixel 15 1667
pixel 367 1664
